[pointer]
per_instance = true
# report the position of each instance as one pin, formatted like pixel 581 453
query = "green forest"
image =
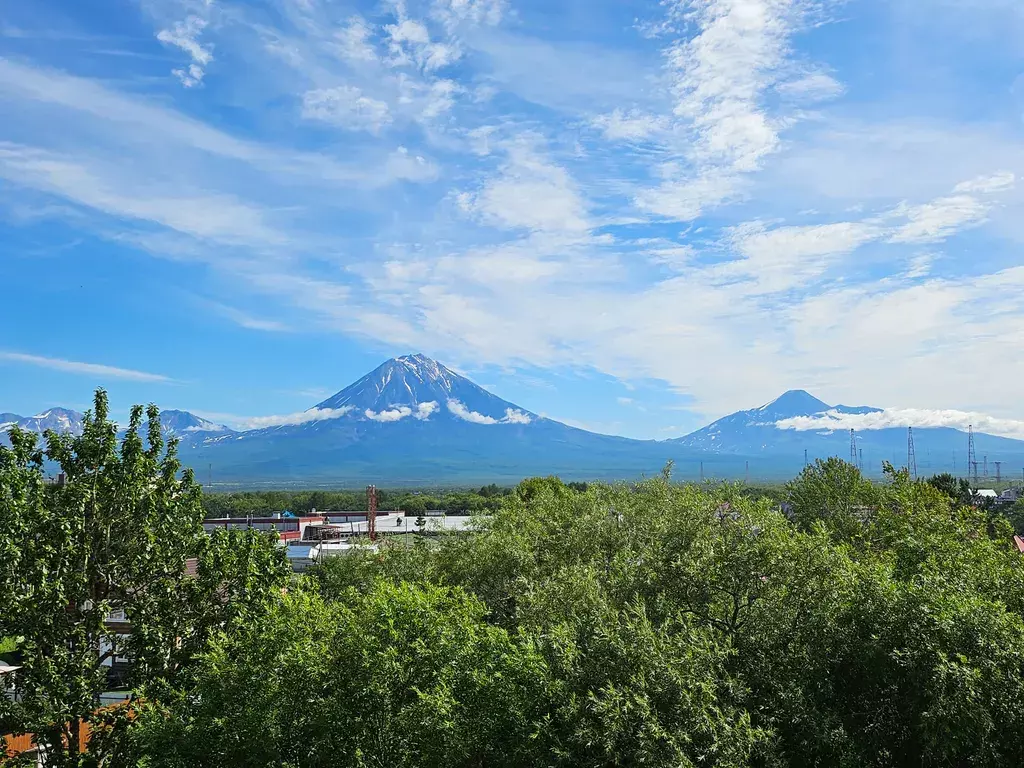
pixel 638 624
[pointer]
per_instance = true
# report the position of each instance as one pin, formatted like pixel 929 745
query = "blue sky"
pixel 630 216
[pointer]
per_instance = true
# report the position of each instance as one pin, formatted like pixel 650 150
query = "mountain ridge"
pixel 413 419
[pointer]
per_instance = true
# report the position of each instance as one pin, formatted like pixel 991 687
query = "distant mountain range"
pixel 414 421
pixel 187 427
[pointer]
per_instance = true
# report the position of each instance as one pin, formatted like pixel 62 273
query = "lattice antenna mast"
pixel 853 447
pixel 972 456
pixel 911 453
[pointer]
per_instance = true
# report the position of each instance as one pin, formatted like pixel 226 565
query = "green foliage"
pixel 117 534
pixel 397 675
pixel 958 490
pixel 833 493
pixel 648 624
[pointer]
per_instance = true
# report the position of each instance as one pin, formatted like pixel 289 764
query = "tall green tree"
pixel 120 533
pixel 394 676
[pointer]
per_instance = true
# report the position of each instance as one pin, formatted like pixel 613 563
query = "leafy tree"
pixel 957 489
pixel 834 493
pixel 119 533
pixel 397 675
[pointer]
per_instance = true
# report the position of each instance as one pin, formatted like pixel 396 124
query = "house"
pixel 282 523
pixel 1011 495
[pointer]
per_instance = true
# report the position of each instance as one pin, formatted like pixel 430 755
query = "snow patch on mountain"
pixel 57 419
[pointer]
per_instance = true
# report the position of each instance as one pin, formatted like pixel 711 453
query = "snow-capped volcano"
pixel 416 387
pixel 412 420
pixel 758 430
pixel 180 423
pixel 56 419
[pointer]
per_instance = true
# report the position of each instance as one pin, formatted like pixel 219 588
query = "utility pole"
pixel 853 448
pixel 748 472
pixel 702 471
pixel 911 453
pixel 805 457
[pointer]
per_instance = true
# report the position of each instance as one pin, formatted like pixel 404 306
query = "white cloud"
pixel 920 266
pixel 632 125
pixel 719 78
pixel 891 418
pixel 781 258
pixel 347 107
pixel 394 414
pixel 530 193
pixel 625 400
pixel 816 86
pixel 425 410
pixel 217 217
pixel 352 41
pixel 516 417
pixel 410 43
pixel 938 220
pixel 511 416
pixel 462 412
pixel 185 35
pixel 305 417
pixel 244 319
pixel 944 217
pixel 88 369
pixel 997 182
pixel 455 12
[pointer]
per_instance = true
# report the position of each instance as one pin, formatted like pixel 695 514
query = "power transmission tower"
pixel 853 448
pixel 984 465
pixel 999 471
pixel 972 456
pixel 805 457
pixel 702 471
pixel 911 453
pixel 748 472
pixel 861 462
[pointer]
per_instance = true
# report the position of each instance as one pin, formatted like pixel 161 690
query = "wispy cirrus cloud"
pixel 705 201
pixel 94 370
